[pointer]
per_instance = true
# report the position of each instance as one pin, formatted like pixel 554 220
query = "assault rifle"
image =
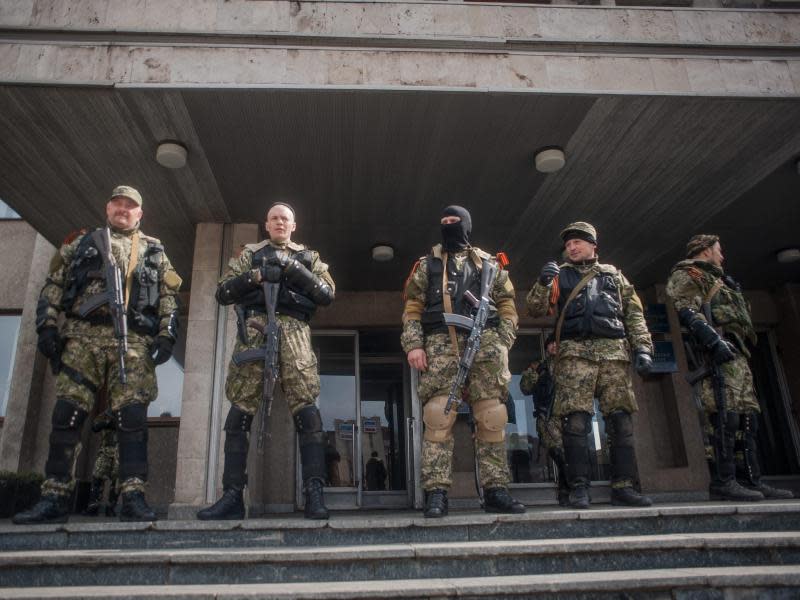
pixel 475 326
pixel 114 297
pixel 269 353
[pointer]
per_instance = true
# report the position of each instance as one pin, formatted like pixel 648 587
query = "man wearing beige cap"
pixel 90 351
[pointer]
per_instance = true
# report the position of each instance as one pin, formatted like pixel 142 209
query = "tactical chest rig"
pixel 87 265
pixel 457 283
pixel 291 301
pixel 596 311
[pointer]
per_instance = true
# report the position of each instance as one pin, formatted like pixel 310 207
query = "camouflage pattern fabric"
pixel 740 396
pixel 539 304
pixel 579 381
pixel 106 464
pixel 121 241
pixel 489 377
pixel 97 360
pixel 299 377
pixel 549 430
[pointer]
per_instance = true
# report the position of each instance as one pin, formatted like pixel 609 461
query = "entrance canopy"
pixel 366 167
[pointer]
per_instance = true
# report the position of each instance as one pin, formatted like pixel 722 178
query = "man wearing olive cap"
pixel 438 283
pixel 600 326
pixel 732 449
pixel 85 351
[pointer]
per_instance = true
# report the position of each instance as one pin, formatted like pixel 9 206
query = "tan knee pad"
pixel 438 426
pixel 491 417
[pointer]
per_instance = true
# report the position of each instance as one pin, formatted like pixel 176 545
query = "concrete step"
pixel 351 529
pixel 397 561
pixel 731 583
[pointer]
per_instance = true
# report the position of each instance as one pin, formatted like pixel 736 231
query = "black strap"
pixel 78 378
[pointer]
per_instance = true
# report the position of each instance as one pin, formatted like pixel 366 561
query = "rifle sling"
pixel 134 258
pixel 448 305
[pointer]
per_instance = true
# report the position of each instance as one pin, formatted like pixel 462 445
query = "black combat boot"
pixel 113 495
pixel 623 461
pixel 135 508
pixel 65 434
pixel 748 469
pixel 557 455
pixel 229 507
pixel 95 498
pixel 498 500
pixel 576 427
pixel 435 504
pixel 723 484
pixel 51 508
pixel 234 478
pixel 312 457
pixel 315 504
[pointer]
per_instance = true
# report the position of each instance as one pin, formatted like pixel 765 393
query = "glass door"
pixel 337 356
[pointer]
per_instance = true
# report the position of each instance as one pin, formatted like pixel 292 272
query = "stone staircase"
pixel 687 551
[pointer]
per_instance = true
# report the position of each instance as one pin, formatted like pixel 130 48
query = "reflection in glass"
pixel 9 329
pixel 6 212
pixel 382 420
pixel 337 405
pixel 170 388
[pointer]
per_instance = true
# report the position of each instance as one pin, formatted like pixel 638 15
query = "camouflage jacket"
pixel 542 300
pixel 415 300
pixel 244 263
pixel 687 287
pixel 50 298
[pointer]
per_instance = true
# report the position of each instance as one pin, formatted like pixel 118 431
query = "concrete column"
pixel 20 443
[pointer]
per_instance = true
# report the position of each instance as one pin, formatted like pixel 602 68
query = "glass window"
pixel 6 212
pixel 170 388
pixel 9 330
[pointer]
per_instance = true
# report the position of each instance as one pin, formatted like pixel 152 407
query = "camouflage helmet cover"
pixel 580 230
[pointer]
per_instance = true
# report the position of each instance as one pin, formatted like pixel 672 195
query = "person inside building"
pixel 600 328
pixel 438 283
pixel 699 288
pixel 88 352
pixel 375 473
pixel 304 283
pixel 538 381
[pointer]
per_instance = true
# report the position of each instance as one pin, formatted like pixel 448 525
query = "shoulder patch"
pixel 75 234
pixel 695 273
pixel 502 260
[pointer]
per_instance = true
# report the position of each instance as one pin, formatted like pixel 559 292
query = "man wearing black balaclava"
pixel 437 284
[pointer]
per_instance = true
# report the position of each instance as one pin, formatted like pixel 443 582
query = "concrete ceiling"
pixel 366 167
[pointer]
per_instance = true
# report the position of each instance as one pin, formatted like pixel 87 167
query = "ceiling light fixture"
pixel 788 255
pixel 550 160
pixel 171 155
pixel 382 253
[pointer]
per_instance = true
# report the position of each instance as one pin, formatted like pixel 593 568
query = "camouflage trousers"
pixel 489 378
pixel 549 431
pixel 579 381
pixel 299 378
pixel 740 396
pixel 106 463
pixel 97 360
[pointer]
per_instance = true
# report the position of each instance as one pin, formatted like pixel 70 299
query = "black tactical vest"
pixel 468 279
pixel 597 309
pixel 290 301
pixel 87 264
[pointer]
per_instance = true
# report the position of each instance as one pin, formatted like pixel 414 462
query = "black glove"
pixel 643 363
pixel 723 351
pixel 549 271
pixel 50 343
pixel 161 349
pixel 272 271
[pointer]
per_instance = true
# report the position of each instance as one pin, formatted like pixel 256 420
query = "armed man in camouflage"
pixel 538 381
pixel 106 465
pixel 305 283
pixel 437 284
pixel 600 322
pixel 85 351
pixel 732 450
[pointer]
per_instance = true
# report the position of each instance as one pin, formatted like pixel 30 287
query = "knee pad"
pixel 577 424
pixel 620 427
pixel 237 420
pixel 438 426
pixel 132 441
pixel 67 423
pixel 491 417
pixel 67 416
pixel 308 423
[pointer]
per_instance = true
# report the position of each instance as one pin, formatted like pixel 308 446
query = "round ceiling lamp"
pixel 382 253
pixel 550 160
pixel 171 155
